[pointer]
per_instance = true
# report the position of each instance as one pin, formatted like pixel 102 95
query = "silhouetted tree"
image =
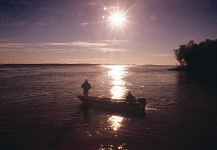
pixel 202 56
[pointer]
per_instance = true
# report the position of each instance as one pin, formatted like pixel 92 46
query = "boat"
pixel 115 105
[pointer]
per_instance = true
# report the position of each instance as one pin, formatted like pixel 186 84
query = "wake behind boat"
pixel 117 105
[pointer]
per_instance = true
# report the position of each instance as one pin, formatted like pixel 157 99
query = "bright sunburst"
pixel 117 19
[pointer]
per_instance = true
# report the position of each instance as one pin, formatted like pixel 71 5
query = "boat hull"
pixel 114 105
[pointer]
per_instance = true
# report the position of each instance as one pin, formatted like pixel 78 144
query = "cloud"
pixel 104 46
pixel 15 24
pixel 77 44
pixel 110 49
pixel 82 60
pixel 90 44
pixel 4 40
pixel 40 24
pixel 12 45
pixel 161 55
pixel 84 23
pixel 26 24
pixel 101 46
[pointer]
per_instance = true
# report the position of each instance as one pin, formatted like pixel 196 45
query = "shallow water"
pixel 39 108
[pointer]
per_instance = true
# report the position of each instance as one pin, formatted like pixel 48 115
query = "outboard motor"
pixel 142 101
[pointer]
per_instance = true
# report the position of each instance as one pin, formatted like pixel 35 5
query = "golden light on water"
pixel 115 122
pixel 117 73
pixel 117 91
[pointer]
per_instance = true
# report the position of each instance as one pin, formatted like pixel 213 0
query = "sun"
pixel 117 19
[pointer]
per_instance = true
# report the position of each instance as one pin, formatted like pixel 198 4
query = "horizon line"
pixel 81 64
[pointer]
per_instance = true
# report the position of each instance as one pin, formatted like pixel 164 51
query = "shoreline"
pixel 149 65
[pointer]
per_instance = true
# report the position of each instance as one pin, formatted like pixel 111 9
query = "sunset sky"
pixel 102 31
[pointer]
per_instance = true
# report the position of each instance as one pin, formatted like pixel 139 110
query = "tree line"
pixel 198 57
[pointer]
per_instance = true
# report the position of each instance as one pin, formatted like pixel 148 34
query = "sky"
pixel 102 31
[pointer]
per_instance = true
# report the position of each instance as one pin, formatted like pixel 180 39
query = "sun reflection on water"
pixel 112 147
pixel 117 74
pixel 115 122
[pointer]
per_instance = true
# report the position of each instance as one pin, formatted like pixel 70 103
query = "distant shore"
pixel 81 64
pixel 178 68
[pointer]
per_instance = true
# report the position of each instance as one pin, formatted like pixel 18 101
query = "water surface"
pixel 39 108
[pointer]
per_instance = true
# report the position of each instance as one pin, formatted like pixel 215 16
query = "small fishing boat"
pixel 115 105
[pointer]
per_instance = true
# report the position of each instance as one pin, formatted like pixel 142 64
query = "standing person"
pixel 86 86
pixel 130 98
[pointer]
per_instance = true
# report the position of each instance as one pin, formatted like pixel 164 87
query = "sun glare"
pixel 115 122
pixel 116 74
pixel 117 19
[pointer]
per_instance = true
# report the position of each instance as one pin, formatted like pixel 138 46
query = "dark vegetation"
pixel 198 59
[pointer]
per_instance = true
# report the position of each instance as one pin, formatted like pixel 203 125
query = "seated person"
pixel 130 98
